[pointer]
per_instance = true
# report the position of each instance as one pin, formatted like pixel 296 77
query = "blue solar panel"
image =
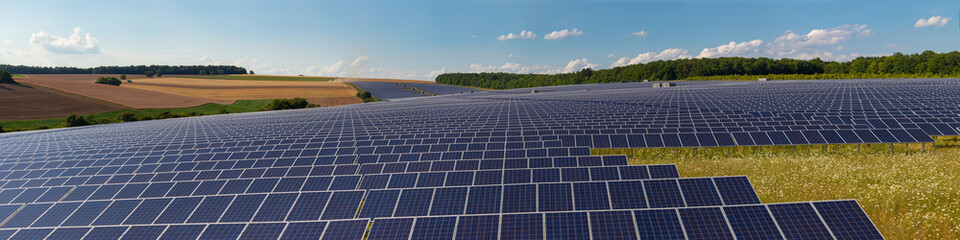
pixel 243 208
pixel 342 205
pixel 659 224
pixel 434 228
pixel 799 221
pixel 144 232
pixel 663 193
pixel 484 199
pixel 555 197
pixel 572 225
pixel 847 220
pixel 612 225
pixel 275 207
pixel 397 228
pixel 414 202
pixel 182 232
pixel 591 196
pixel 521 226
pixel 380 203
pixel 449 201
pixel 736 190
pixel 348 229
pixel 752 222
pixel 478 227
pixel 699 192
pixel 705 223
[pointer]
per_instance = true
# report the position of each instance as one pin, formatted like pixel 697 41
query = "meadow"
pixel 206 109
pixel 910 191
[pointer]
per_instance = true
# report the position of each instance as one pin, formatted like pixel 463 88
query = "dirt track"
pixel 82 84
pixel 24 102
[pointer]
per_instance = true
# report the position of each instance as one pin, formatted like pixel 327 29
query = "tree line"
pixel 926 64
pixel 133 69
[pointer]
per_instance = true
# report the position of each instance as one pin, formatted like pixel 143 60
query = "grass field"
pixel 263 78
pixel 911 193
pixel 206 109
pixel 18 75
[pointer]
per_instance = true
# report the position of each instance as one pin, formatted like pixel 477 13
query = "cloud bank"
pixel 76 43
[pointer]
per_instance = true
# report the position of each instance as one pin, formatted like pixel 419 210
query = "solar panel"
pixel 467 158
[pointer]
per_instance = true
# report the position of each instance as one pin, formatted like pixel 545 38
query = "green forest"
pixel 928 64
pixel 137 69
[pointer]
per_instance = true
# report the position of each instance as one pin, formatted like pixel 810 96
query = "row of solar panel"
pixel 517 143
pixel 179 188
pixel 747 139
pixel 938 129
pixel 530 136
pixel 445 155
pixel 332 205
pixel 280 168
pixel 808 220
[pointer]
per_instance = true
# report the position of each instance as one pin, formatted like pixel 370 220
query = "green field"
pixel 826 76
pixel 18 75
pixel 909 193
pixel 263 78
pixel 206 109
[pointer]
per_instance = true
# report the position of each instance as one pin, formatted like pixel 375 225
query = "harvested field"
pixel 82 84
pixel 380 80
pixel 261 78
pixel 316 92
pixel 23 102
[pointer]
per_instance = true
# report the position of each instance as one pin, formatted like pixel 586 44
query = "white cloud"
pixel 934 21
pixel 732 49
pixel 7 41
pixel 433 74
pixel 816 43
pixel 357 67
pixel 330 70
pixel 74 44
pixel 577 65
pixel 667 54
pixel 565 33
pixel 524 34
pixel 893 46
pixel 640 34
pixel 509 67
pixel 473 36
pixel 611 55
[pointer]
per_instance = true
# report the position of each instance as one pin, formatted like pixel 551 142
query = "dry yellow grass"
pixel 320 93
pixel 909 194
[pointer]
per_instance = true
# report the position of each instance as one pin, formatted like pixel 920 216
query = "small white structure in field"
pixel 646 80
pixel 534 91
pixel 666 84
pixel 762 79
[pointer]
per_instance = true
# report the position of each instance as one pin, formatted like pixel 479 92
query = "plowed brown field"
pixel 25 102
pixel 82 84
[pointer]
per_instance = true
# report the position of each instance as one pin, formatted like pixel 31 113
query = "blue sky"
pixel 420 39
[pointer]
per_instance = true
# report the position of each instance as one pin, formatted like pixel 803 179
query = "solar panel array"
pixel 401 90
pixel 485 165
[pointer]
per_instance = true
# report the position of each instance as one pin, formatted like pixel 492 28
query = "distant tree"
pixel 252 73
pixel 108 80
pixel 126 117
pixel 75 120
pixel 6 77
pixel 159 73
pixel 202 72
pixel 219 71
pixel 1 129
pixel 123 77
pixel 149 74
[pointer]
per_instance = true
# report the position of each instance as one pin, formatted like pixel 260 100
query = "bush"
pixel 224 111
pixel 123 77
pixel 293 103
pixel 149 74
pixel 75 120
pixel 109 80
pixel 6 77
pixel 366 96
pixel 126 117
pixel 1 128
